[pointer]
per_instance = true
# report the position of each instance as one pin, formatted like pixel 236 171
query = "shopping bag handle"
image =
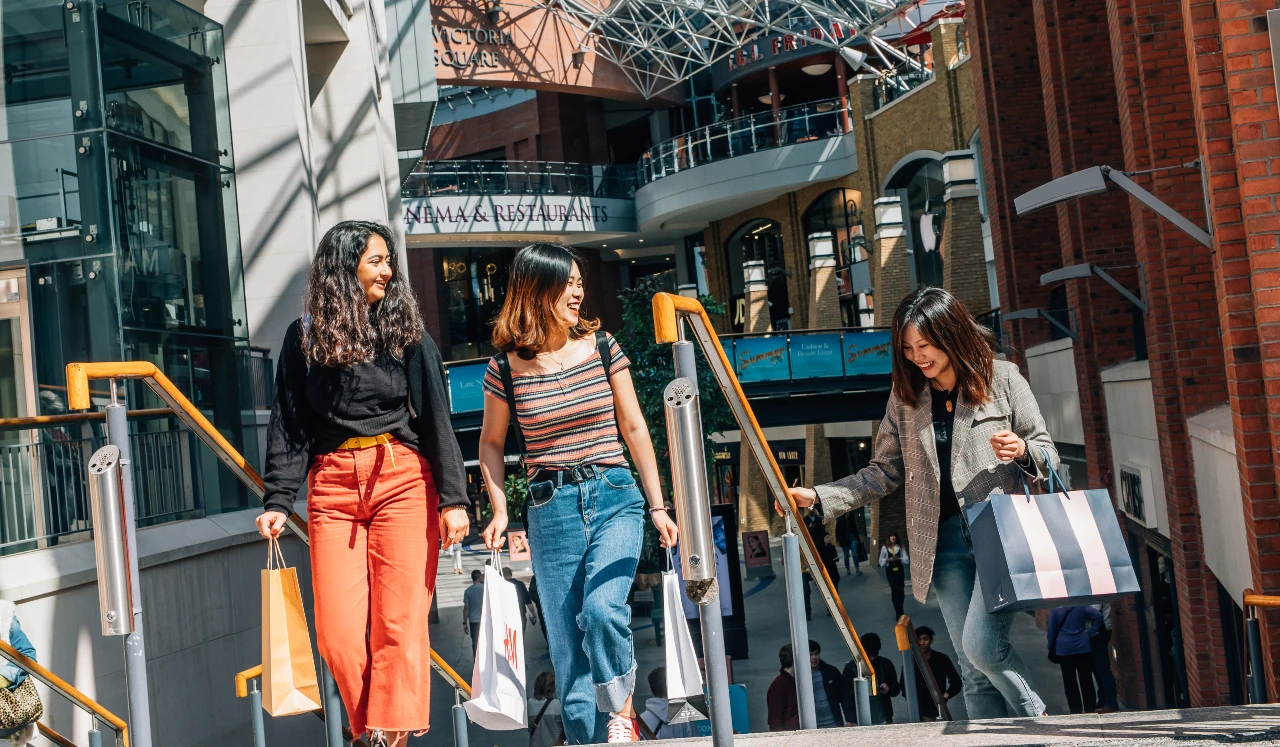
pixel 275 557
pixel 495 559
pixel 1054 477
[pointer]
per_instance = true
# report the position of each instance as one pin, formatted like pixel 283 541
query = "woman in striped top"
pixel 585 510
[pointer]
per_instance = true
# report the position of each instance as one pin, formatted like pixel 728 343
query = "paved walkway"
pixel 866 598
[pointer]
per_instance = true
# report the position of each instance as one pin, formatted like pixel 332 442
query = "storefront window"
pixel 476 283
pixel 759 241
pixel 836 217
pixel 921 184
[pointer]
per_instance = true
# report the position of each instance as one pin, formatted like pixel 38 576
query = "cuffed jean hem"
pixel 611 696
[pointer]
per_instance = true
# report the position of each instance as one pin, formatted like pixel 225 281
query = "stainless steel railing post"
pixel 697 545
pixel 255 714
pixel 799 629
pixel 460 738
pixel 135 651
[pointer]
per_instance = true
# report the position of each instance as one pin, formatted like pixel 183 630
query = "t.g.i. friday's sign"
pixel 554 214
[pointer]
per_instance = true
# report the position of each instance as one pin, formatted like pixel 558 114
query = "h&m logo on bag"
pixel 510 646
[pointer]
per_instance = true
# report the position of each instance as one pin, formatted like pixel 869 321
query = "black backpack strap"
pixel 533 727
pixel 509 390
pixel 606 355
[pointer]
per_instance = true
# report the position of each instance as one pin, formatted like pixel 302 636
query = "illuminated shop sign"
pixel 473 38
pixel 518 214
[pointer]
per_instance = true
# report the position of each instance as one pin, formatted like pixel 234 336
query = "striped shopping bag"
pixel 1051 550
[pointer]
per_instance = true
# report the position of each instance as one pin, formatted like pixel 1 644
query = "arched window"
pixel 920 184
pixel 759 240
pixel 836 216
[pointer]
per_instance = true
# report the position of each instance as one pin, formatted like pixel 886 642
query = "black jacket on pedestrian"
pixel 947 677
pixel 881 703
pixel 837 689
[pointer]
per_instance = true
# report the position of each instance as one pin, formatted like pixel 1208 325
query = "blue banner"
pixel 816 356
pixel 466 392
pixel 761 359
pixel 867 354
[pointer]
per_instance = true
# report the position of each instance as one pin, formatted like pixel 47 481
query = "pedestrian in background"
pixel 847 536
pixel 472 608
pixel 944 674
pixel 11 677
pixel 657 711
pixel 527 610
pixel 894 560
pixel 783 707
pixel 830 692
pixel 1100 648
pixel 887 685
pixel 1070 649
pixel 546 729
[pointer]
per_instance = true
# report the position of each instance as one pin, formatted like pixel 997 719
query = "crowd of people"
pixel 361 416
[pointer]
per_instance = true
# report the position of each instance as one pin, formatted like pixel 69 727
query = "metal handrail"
pixel 80 374
pixel 905 632
pixel 668 311
pixel 66 690
pixel 746 134
pixel 816 330
pixel 477 177
pixel 40 421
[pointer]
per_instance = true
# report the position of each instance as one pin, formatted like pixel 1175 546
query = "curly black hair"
pixel 341 328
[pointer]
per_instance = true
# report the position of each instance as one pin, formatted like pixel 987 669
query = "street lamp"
pixel 1093 181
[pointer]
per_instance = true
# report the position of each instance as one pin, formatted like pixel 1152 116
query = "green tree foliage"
pixel 652 368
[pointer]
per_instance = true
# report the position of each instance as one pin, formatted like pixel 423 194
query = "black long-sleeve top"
pixel 317 408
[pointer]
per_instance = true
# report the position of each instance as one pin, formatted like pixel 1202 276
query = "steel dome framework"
pixel 660 43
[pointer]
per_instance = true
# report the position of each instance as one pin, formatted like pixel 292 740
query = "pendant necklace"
pixel 950 403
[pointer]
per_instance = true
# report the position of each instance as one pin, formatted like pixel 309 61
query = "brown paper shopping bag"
pixel 289 684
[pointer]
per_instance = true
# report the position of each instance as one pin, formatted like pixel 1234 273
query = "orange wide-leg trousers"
pixel 372 515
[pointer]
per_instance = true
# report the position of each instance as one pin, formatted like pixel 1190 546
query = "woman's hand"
pixel 495 534
pixel 454 524
pixel 271 523
pixel 803 497
pixel 667 531
pixel 1008 446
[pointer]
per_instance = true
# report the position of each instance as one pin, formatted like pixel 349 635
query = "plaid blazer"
pixel 905 454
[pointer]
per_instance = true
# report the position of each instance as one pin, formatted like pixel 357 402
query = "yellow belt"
pixel 368 442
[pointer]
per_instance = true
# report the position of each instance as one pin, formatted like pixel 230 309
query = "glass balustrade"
pixel 438 178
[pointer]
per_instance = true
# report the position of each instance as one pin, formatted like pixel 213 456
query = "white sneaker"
pixel 622 729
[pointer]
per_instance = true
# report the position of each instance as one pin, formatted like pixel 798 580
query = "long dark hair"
pixel 341 327
pixel 943 320
pixel 538 276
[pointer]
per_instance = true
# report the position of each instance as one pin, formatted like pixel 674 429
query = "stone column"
pixel 754 502
pixel 892 262
pixel 964 263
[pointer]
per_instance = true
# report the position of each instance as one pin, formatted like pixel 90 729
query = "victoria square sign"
pixel 551 214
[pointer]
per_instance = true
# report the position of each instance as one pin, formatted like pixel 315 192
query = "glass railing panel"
pixel 817 356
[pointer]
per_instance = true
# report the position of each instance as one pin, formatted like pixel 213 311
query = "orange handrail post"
pixel 669 310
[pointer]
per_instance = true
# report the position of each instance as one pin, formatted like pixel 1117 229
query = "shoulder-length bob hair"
pixel 537 277
pixel 340 327
pixel 943 320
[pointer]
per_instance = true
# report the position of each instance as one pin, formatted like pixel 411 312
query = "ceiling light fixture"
pixel 818 68
pixel 768 98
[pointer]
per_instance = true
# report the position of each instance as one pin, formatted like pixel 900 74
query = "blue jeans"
pixel 851 551
pixel 992 672
pixel 586 542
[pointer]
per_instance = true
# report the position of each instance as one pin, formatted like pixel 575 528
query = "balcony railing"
pixel 44 488
pixel 890 88
pixel 439 178
pixel 749 134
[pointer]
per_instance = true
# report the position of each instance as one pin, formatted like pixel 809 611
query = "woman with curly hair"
pixel 362 414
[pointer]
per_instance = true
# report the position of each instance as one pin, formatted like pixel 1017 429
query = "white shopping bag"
pixel 684 680
pixel 497 679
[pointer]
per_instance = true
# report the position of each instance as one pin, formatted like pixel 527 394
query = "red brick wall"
pixel 1235 97
pixel 1084 131
pixel 1015 158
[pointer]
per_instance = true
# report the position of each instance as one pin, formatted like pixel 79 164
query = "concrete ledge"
pixel 1202 726
pixel 1131 371
pixel 41 572
pixel 1214 427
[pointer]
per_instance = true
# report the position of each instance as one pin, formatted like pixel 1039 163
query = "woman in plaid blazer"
pixel 959 426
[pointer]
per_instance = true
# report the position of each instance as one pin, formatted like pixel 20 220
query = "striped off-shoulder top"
pixel 567 418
